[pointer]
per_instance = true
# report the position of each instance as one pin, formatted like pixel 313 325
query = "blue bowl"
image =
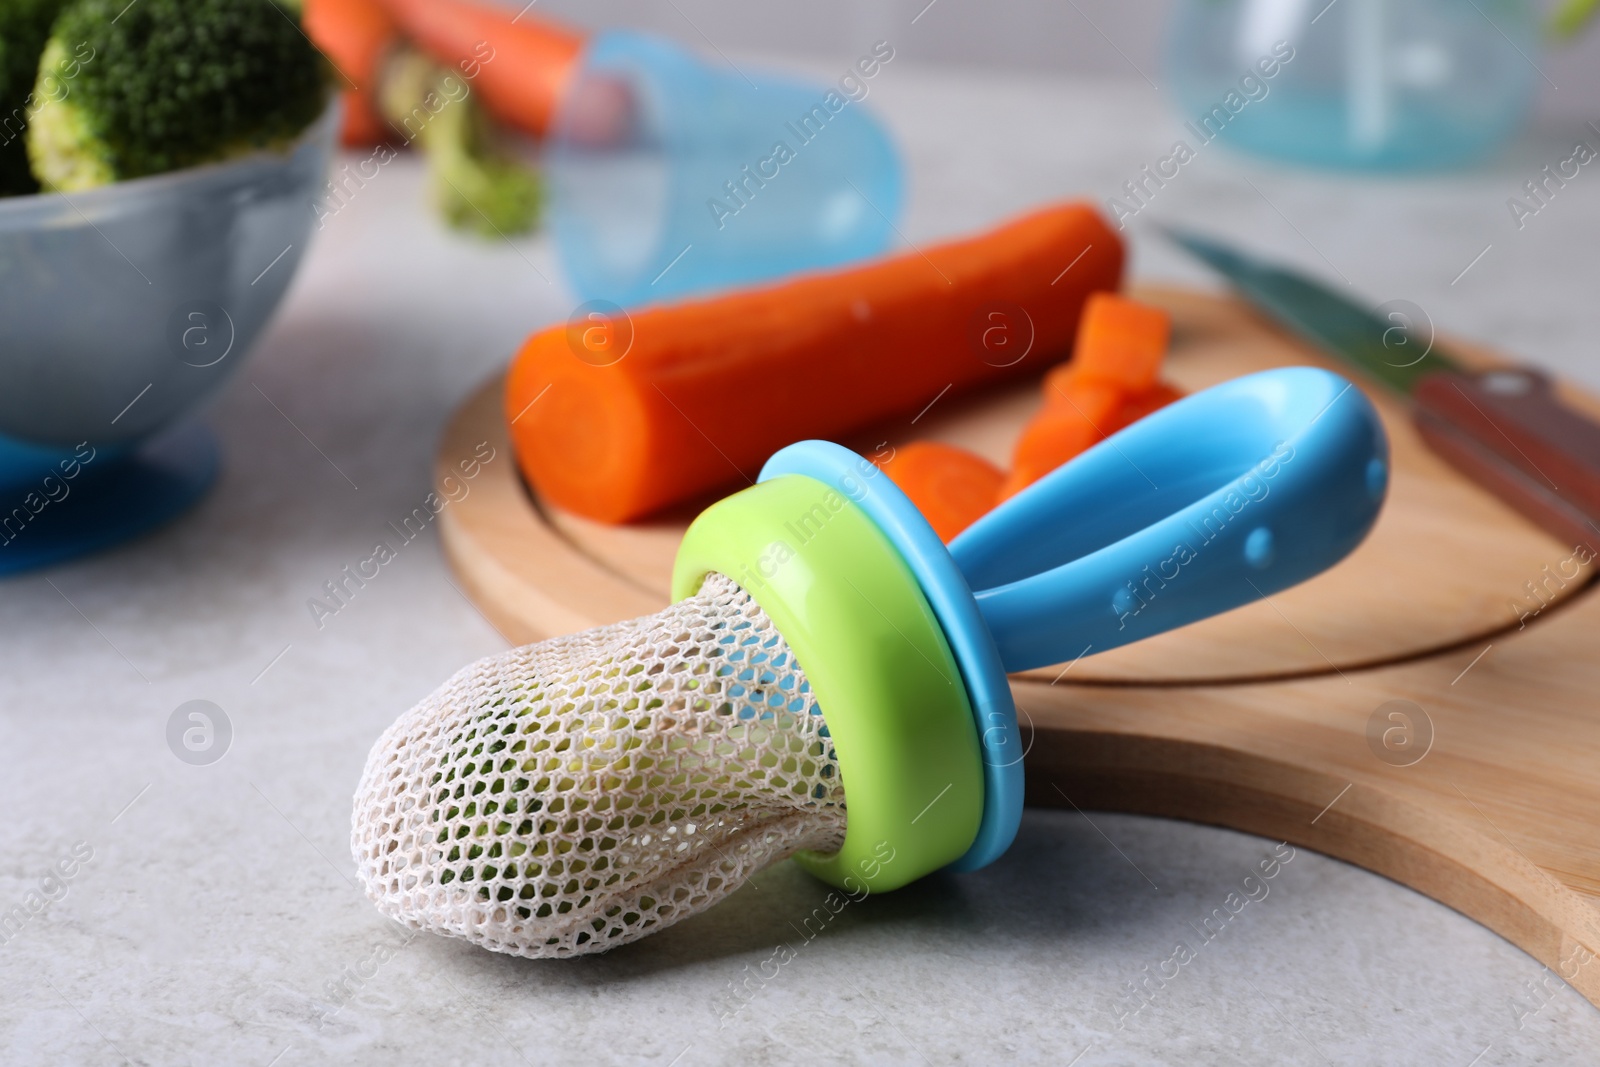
pixel 155 286
pixel 122 309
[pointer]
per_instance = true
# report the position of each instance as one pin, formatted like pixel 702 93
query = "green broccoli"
pixel 149 86
pixel 478 184
pixel 24 28
pixel 1571 16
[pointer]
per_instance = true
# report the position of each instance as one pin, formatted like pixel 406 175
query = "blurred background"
pixel 1084 92
pixel 1101 39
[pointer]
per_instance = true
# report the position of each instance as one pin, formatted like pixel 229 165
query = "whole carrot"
pixel 614 420
pixel 519 63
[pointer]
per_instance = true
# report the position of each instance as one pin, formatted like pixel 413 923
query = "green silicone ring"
pixel 877 660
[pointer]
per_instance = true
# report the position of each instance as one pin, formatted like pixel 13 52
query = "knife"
pixel 1503 428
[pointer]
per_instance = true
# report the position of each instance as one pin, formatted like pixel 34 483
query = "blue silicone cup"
pixel 715 182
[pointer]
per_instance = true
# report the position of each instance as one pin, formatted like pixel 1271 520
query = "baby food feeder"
pixel 831 680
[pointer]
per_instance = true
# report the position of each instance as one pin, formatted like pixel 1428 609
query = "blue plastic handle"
pixel 1222 498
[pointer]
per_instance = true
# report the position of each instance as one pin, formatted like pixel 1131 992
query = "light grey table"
pixel 217 920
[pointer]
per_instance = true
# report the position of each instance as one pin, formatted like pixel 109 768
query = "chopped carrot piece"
pixel 1110 383
pixel 1065 379
pixel 1137 407
pixel 1121 341
pixel 1066 388
pixel 1081 413
pixel 1018 479
pixel 951 486
pixel 1047 442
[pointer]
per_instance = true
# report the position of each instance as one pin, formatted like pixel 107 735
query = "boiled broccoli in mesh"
pixel 24 28
pixel 157 85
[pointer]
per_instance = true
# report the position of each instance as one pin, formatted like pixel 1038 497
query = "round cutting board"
pixel 1446 565
pixel 1391 712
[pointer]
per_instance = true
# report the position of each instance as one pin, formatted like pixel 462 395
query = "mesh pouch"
pixel 569 796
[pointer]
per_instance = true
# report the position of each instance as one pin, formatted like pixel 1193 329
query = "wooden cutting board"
pixel 1480 788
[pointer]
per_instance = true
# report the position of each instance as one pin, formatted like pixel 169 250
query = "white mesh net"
pixel 574 795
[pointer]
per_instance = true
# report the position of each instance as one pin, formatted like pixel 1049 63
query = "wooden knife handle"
pixel 1506 430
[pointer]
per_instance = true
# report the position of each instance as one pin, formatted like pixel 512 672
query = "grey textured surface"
pixel 217 921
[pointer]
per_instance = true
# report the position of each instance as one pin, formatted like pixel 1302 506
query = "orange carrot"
pixel 1109 383
pixel 1077 416
pixel 1120 341
pixel 1066 388
pixel 1137 407
pixel 355 35
pixel 521 64
pixel 952 487
pixel 682 399
pixel 1016 481
pixel 1080 414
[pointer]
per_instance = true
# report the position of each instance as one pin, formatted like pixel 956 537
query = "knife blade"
pixel 1504 428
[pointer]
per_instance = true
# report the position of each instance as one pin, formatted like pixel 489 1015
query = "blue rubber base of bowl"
pixel 957 611
pixel 112 499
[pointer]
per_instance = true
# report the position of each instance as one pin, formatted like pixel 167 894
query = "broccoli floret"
pixel 478 184
pixel 156 85
pixel 24 28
